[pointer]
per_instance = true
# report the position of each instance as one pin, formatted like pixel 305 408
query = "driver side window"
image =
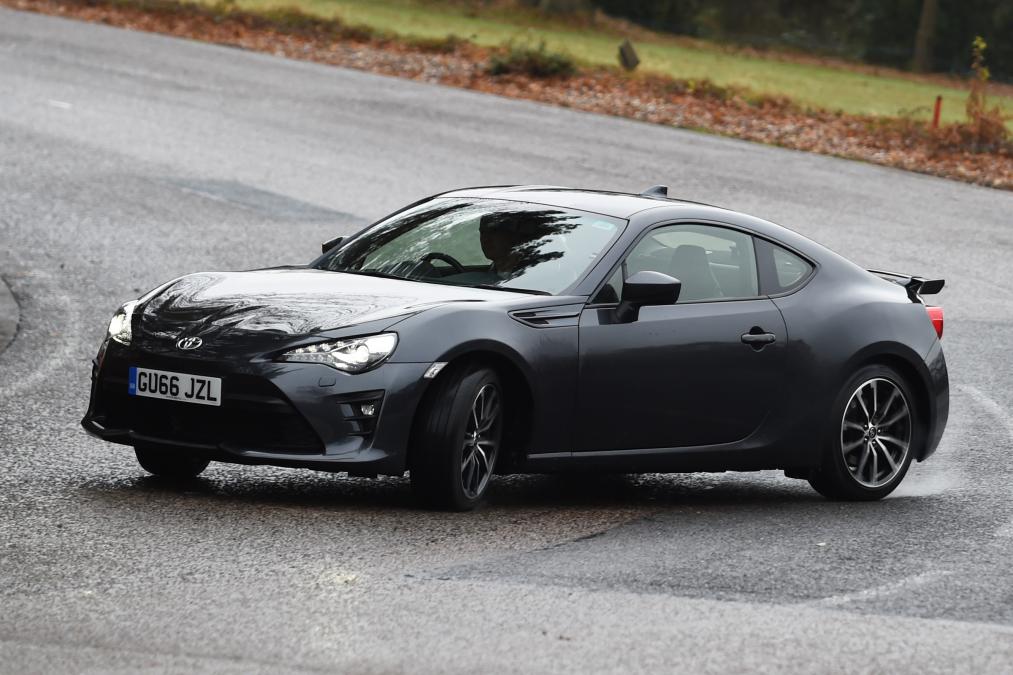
pixel 713 263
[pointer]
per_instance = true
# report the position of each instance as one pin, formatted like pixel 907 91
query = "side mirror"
pixel 330 243
pixel 643 289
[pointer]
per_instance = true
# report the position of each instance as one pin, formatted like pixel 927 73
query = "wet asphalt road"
pixel 127 159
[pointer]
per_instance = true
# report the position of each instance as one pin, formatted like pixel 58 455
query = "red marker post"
pixel 935 112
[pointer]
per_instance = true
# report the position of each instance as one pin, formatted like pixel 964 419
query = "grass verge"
pixel 854 90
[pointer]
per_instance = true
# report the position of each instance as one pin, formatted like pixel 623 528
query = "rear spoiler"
pixel 915 286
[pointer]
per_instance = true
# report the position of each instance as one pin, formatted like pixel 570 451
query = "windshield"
pixel 481 243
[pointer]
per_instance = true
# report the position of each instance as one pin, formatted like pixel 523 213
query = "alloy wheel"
pixel 478 457
pixel 876 432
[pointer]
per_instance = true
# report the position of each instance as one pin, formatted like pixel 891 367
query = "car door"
pixel 704 371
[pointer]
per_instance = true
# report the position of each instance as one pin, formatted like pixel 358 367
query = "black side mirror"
pixel 330 243
pixel 646 288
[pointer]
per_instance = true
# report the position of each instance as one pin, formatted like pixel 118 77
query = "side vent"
pixel 548 317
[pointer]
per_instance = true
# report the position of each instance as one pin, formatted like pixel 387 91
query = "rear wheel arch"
pixel 906 362
pixel 868 454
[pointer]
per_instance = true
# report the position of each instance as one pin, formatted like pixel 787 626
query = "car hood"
pixel 263 309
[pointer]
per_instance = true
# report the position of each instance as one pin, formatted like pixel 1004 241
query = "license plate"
pixel 175 386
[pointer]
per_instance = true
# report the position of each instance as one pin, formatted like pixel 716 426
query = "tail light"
pixel 936 315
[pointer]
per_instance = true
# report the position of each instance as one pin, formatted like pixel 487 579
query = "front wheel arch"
pixel 519 403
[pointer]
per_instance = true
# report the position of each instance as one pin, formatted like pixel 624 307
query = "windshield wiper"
pixel 493 287
pixel 488 287
pixel 369 273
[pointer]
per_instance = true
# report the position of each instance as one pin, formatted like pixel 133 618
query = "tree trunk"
pixel 922 61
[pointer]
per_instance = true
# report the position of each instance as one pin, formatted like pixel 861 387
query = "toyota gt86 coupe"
pixel 535 329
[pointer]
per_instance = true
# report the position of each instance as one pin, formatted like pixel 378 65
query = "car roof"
pixel 627 205
pixel 607 203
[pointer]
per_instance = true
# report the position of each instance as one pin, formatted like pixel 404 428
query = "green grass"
pixel 811 85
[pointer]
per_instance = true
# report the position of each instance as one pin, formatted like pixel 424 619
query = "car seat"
pixel 689 265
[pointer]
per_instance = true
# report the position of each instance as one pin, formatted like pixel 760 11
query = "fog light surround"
pixel 361 410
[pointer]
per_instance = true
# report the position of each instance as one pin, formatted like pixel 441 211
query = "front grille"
pixel 254 415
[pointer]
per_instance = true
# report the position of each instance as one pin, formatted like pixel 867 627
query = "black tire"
pixel 439 462
pixel 170 463
pixel 841 478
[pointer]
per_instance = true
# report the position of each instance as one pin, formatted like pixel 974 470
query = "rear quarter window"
pixel 781 271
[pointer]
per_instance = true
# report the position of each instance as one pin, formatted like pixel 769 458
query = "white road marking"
pixel 905 584
pixel 62 105
pixel 49 356
pixel 989 404
pixel 1004 418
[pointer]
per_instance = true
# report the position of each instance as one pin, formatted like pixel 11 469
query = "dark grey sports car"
pixel 536 329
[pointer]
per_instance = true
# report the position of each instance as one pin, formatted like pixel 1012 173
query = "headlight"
pixel 119 325
pixel 353 356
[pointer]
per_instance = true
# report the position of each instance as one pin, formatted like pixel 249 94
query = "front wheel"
pixel 169 462
pixel 874 439
pixel 457 439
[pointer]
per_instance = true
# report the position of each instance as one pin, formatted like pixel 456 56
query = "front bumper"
pixel 284 414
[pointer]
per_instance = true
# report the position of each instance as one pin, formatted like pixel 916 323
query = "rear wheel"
pixel 457 439
pixel 875 436
pixel 169 462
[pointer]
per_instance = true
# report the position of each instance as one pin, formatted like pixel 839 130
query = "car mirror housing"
pixel 646 288
pixel 330 243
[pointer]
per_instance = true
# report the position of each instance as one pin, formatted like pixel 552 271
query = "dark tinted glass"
pixel 713 263
pixel 480 242
pixel 789 270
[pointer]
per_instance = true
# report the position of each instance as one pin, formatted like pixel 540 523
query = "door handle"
pixel 758 340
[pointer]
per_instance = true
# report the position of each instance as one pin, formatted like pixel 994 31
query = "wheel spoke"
pixel 875 464
pixel 488 421
pixel 853 445
pixel 490 406
pixel 886 406
pixel 896 441
pixel 479 407
pixel 848 424
pixel 862 462
pixel 889 458
pixel 896 417
pixel 479 455
pixel 482 461
pixel 861 402
pixel 468 475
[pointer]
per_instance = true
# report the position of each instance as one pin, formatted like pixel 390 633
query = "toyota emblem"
pixel 189 343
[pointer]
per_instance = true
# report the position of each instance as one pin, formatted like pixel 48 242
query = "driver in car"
pixel 502 242
pixel 503 238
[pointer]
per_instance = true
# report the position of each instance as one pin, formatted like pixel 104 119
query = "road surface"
pixel 127 159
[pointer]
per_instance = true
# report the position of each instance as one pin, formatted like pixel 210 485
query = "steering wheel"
pixel 436 255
